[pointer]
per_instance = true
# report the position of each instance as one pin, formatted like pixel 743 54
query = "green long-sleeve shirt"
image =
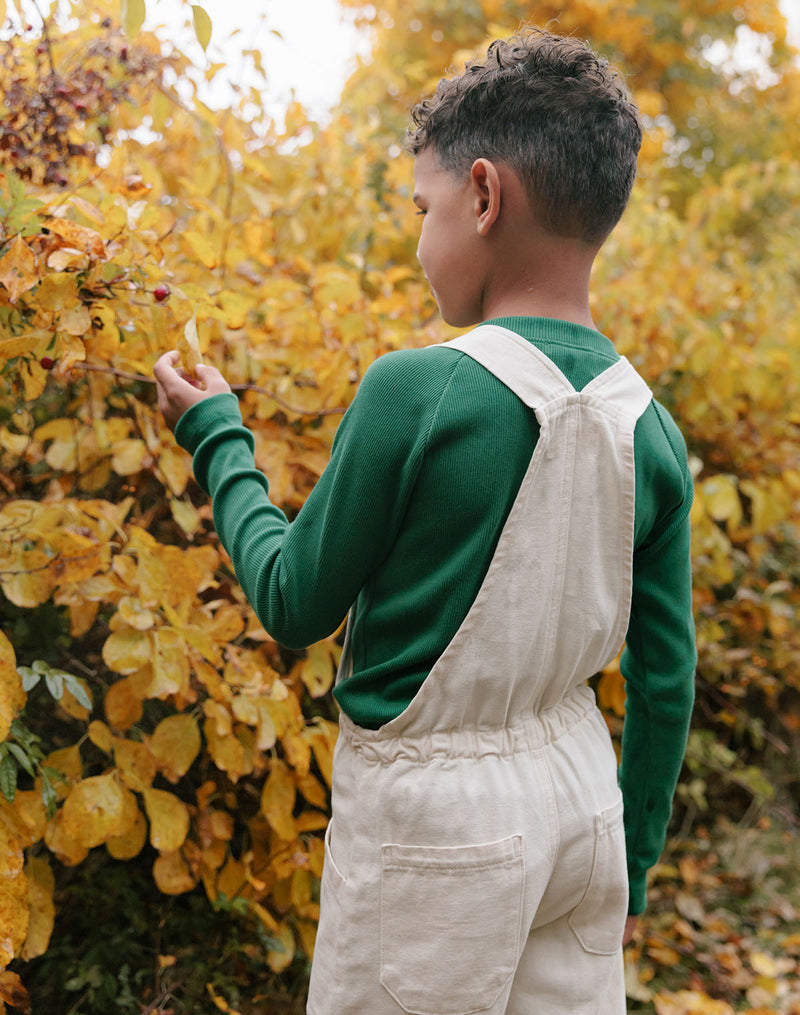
pixel 424 469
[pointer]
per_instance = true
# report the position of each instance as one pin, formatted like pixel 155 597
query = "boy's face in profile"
pixel 449 249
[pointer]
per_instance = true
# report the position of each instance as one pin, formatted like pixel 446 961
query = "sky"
pixel 310 57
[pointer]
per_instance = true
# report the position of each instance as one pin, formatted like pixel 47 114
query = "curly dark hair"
pixel 558 115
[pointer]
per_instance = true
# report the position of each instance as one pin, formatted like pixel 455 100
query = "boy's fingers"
pixel 212 379
pixel 164 368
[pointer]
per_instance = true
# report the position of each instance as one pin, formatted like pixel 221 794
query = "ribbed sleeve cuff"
pixel 219 412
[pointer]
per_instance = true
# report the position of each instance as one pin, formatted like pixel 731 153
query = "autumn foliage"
pixel 145 717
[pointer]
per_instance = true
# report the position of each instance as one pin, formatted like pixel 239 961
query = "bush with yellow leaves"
pixel 145 717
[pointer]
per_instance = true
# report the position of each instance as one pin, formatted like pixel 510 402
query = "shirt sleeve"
pixel 658 665
pixel 302 577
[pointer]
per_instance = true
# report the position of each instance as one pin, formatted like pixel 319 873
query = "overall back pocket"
pixel 598 921
pixel 450 924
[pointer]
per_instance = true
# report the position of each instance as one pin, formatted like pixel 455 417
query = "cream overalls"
pixel 475 861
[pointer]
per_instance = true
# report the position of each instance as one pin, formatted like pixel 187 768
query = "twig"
pixel 46 35
pixel 125 375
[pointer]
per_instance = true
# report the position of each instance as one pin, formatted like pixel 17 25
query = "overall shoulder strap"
pixel 621 385
pixel 522 367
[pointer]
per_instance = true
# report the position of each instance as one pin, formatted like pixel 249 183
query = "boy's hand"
pixel 630 927
pixel 178 392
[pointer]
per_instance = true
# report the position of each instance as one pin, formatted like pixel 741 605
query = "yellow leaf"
pixel 200 247
pixel 136 764
pixel 32 344
pixel 763 964
pixel 245 709
pixel 322 737
pixel 721 499
pixel 280 958
pixel 18 269
pixel 76 321
pixel 121 705
pixel 58 292
pixel 127 651
pixel 133 13
pixel 30 811
pixel 298 750
pixel 14 912
pixel 233 881
pixel 228 752
pixel 186 515
pixel 266 727
pixel 202 26
pixel 313 790
pixel 189 347
pixel 130 843
pixel 311 821
pixel 220 1002
pixel 135 615
pixel 278 798
pixel 317 670
pixel 611 692
pixel 300 893
pixel 12 697
pixel 264 915
pixel 307 929
pixel 129 455
pixel 89 210
pixel 175 744
pixel 12 990
pixel 174 874
pixel 236 308
pixel 94 810
pixel 67 762
pixel 80 237
pixel 62 843
pixel 689 1002
pixel 169 820
pixel 41 884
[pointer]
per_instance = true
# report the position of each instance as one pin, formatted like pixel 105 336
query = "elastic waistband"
pixel 522 734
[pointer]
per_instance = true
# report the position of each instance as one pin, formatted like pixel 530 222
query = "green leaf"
pixel 8 778
pixel 133 13
pixel 48 795
pixel 202 26
pixel 22 758
pixel 16 188
pixel 29 678
pixel 77 690
pixel 55 684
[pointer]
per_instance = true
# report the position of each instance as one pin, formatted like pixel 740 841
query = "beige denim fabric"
pixel 475 861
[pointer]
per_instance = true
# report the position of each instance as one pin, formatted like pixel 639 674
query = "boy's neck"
pixel 543 305
pixel 532 272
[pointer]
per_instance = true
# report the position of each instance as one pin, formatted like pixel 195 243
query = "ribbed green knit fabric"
pixel 424 470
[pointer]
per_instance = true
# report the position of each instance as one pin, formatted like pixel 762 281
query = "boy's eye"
pixel 422 212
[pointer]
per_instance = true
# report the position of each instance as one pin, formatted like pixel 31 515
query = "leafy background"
pixel 164 765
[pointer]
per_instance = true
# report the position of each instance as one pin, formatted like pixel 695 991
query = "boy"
pixel 503 510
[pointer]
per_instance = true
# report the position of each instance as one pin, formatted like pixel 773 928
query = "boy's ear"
pixel 487 193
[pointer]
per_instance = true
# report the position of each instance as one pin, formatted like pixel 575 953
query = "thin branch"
pixel 125 375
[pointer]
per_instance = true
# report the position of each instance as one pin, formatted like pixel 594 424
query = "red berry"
pixel 123 54
pixel 41 50
pixel 47 362
pixel 80 107
pixel 161 292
